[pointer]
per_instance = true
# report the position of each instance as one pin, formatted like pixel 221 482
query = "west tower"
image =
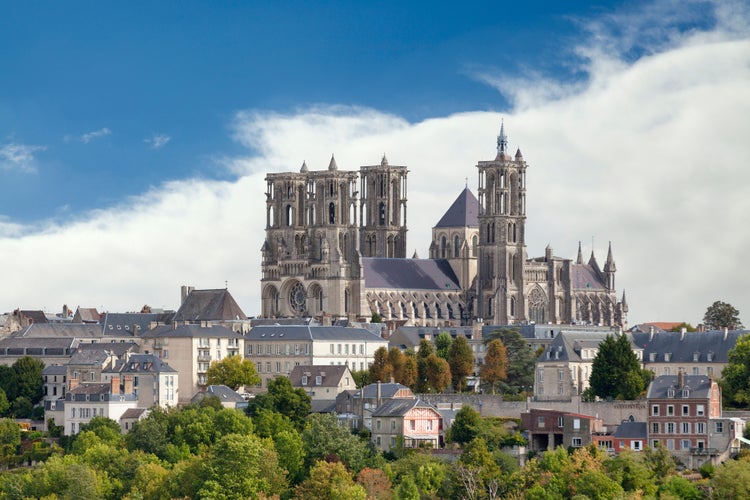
pixel 383 210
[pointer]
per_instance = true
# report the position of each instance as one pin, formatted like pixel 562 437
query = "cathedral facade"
pixel 336 246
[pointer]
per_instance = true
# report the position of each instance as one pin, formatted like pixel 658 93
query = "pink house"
pixel 410 421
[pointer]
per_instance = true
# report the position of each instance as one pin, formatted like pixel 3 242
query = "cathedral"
pixel 336 246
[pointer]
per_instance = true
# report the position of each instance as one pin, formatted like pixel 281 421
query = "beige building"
pixel 190 349
pixel 277 349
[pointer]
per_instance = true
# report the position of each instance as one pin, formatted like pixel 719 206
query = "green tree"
pixel 29 381
pixel 465 426
pixel 232 371
pixel 10 436
pixel 461 362
pixel 291 450
pixel 325 438
pixel 409 370
pixel 660 461
pixel 282 398
pixel 443 344
pixel 732 480
pixel 684 489
pixel 376 318
pixel 521 358
pixel 8 382
pixel 150 434
pixel 687 326
pixel 424 351
pixel 735 377
pixel 722 315
pixel 492 370
pixel 21 407
pixel 106 429
pixel 4 404
pixel 616 372
pixel 361 378
pixel 332 481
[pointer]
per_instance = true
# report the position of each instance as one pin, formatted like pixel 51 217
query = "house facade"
pixel 410 423
pixel 322 382
pixel 89 400
pixel 548 429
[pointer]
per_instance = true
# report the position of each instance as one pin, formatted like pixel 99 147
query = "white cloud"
pixel 89 136
pixel 19 157
pixel 651 155
pixel 157 141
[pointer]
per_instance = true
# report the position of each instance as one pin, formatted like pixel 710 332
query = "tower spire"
pixel 610 266
pixel 502 140
pixel 579 260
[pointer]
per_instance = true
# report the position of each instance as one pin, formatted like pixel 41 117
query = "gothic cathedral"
pixel 333 249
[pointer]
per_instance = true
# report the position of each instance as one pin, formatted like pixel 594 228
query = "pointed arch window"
pixel 331 213
pixel 474 243
pixel 381 213
pixel 443 245
pixel 455 246
pixel 512 306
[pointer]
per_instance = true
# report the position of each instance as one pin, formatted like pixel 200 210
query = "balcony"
pixel 704 451
pixel 204 356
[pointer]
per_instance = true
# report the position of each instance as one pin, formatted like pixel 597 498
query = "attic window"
pixel 318 380
pixel 686 392
pixel 696 356
pixel 667 356
pixel 304 380
pixel 111 327
pixel 670 392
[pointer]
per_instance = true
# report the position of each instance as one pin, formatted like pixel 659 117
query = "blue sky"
pixel 134 137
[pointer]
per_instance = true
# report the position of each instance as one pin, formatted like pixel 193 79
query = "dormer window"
pixel 318 380
pixel 304 379
pixel 670 392
pixel 667 356
pixel 696 356
pixel 710 356
pixel 652 357
pixel 686 392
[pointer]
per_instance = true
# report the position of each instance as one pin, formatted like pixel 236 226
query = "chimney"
pixel 726 332
pixel 115 384
pixel 184 292
pixel 73 383
pixel 128 384
pixel 680 380
pixel 379 394
pixel 650 333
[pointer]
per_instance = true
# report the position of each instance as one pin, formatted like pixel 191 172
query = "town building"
pixel 333 248
pixel 322 382
pixel 548 429
pixel 155 383
pixel 190 349
pixel 277 349
pixel 408 423
pixel 685 417
pixel 86 401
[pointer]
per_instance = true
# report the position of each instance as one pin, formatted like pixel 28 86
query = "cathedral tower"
pixel 310 253
pixel 502 247
pixel 383 210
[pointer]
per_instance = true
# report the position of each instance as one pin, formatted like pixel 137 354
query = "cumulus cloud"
pixel 650 154
pixel 19 157
pixel 157 141
pixel 90 136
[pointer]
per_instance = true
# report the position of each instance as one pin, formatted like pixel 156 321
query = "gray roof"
pixel 631 430
pixel 410 274
pixel 566 346
pixel 116 348
pixel 330 375
pixel 387 390
pixel 406 337
pixel 144 363
pixel 133 413
pixel 54 370
pixel 37 342
pixel 116 323
pixel 209 305
pixel 301 332
pixel 77 330
pixel 399 407
pixel 90 356
pixel 463 212
pixel 586 277
pixel 700 387
pixel 684 347
pixel 224 393
pixel 190 331
pixel 323 406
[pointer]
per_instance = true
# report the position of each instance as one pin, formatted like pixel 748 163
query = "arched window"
pixel 331 213
pixel 455 246
pixel 512 306
pixel 381 214
pixel 474 243
pixel 443 245
pixel 289 215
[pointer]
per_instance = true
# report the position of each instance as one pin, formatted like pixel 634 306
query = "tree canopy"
pixel 461 362
pixel 232 371
pixel 493 369
pixel 616 372
pixel 722 315
pixel 282 398
pixel 735 377
pixel 521 358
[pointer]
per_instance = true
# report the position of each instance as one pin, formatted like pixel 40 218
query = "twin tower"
pixel 336 246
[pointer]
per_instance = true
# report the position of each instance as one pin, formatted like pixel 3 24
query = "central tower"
pixel 502 229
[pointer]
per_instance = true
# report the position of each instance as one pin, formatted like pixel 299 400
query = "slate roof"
pixel 34 316
pixel 410 336
pixel 684 347
pixel 190 331
pixel 116 323
pixel 330 375
pixel 144 363
pixel 224 393
pixel 89 356
pixel 463 212
pixel 133 413
pixel 38 342
pixel 410 274
pixel 399 407
pixel 50 330
pixel 387 390
pixel 118 349
pixel 700 387
pixel 586 277
pixel 87 315
pixel 209 305
pixel 301 332
pixel 631 430
pixel 323 406
pixel 566 346
pixel 54 370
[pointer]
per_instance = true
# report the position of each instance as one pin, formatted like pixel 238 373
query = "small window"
pixel 670 410
pixel 655 410
pixel 719 427
pixel 577 442
pixel 701 410
pixel 576 423
pixel 685 410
